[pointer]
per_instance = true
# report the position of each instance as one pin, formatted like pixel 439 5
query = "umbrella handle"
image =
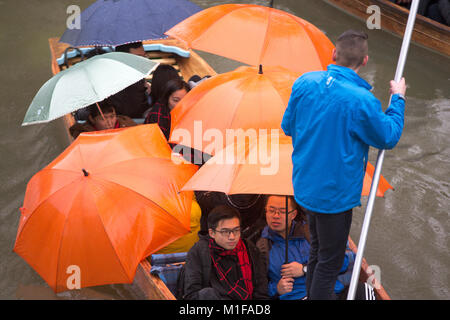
pixel 376 177
pixel 65 55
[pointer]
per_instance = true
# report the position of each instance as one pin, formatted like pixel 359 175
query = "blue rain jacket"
pixel 298 248
pixel 333 118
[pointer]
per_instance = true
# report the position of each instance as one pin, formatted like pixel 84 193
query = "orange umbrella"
pixel 109 200
pixel 256 35
pixel 246 98
pixel 258 166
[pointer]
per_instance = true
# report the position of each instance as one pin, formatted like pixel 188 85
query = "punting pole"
pixel 286 258
pixel 376 178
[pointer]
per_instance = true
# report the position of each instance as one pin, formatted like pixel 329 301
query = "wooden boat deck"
pixel 151 285
pixel 427 32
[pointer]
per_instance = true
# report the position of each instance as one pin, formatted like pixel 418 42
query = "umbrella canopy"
pixel 108 201
pixel 246 98
pixel 258 166
pixel 256 35
pixel 85 83
pixel 112 23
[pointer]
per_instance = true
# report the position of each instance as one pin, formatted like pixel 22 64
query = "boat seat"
pixel 149 49
pixel 167 267
pixel 157 52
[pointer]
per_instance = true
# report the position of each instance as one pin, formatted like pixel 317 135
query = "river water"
pixel 408 238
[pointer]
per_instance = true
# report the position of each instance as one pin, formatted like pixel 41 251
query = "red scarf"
pixel 241 288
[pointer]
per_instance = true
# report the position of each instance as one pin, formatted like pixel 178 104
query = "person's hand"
pixel 398 87
pixel 148 87
pixel 293 269
pixel 285 285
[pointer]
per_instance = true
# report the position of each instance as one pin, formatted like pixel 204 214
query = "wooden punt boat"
pixel 151 286
pixel 187 64
pixel 427 32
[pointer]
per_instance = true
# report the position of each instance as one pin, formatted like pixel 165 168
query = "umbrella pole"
pixel 100 111
pixel 373 188
pixel 287 231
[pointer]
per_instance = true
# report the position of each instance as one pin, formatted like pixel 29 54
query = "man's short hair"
pixel 126 47
pixel 351 48
pixel 291 200
pixel 301 214
pixel 222 212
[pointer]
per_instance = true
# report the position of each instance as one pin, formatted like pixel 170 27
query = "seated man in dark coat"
pixel 250 207
pixel 222 265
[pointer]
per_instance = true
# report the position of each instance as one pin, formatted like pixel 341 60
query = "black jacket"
pixel 131 101
pixel 198 271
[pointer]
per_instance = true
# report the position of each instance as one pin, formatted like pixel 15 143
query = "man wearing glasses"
pixel 222 265
pixel 287 281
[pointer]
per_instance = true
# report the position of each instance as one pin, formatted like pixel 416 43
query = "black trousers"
pixel 329 235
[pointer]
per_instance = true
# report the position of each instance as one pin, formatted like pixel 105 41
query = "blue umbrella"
pixel 116 22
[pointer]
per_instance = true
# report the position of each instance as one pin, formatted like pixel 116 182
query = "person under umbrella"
pixel 102 116
pixel 174 91
pixel 222 265
pixel 133 100
pixel 162 74
pixel 287 281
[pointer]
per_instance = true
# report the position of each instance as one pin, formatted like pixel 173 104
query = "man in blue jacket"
pixel 287 281
pixel 333 118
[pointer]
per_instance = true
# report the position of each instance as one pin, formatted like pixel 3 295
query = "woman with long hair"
pixel 174 91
